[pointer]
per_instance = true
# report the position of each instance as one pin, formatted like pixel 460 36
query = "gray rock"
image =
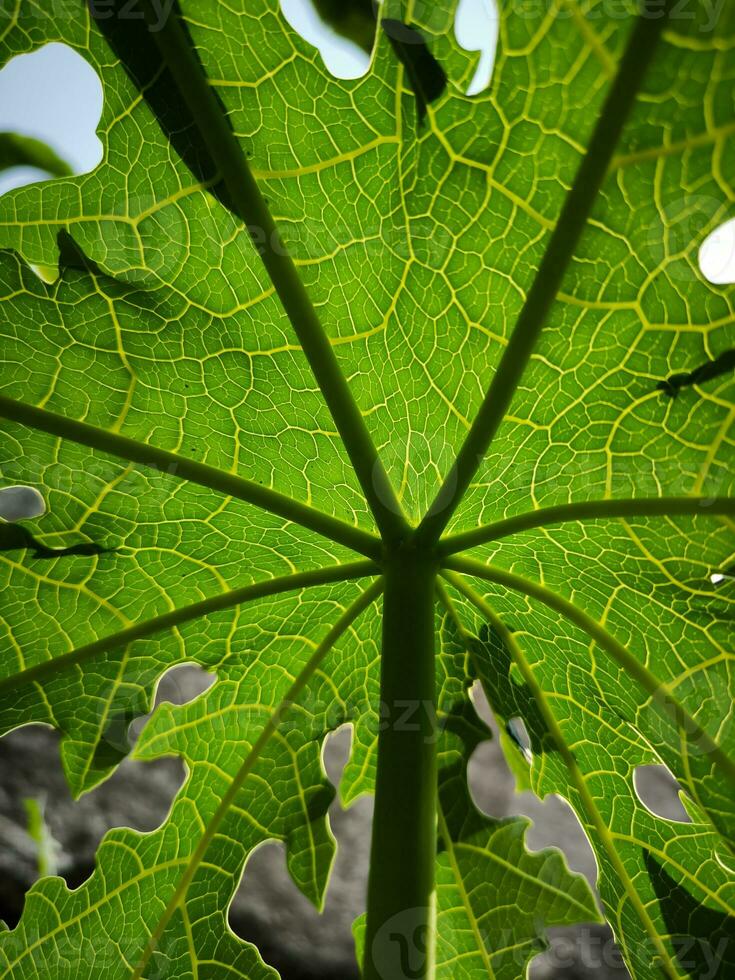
pixel 137 795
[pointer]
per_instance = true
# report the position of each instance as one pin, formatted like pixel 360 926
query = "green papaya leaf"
pixel 305 342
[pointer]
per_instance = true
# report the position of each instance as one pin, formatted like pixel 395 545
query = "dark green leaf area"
pixel 702 937
pixel 426 76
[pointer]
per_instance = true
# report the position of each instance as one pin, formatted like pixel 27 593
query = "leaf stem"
pixel 249 205
pixel 177 617
pixel 179 895
pixel 401 902
pixel 577 776
pixel 587 510
pixel 575 212
pixel 689 730
pixel 188 469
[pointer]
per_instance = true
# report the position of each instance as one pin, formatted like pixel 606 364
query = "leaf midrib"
pixel 658 690
pixel 249 205
pixel 547 282
pixel 197 858
pixel 184 614
pixel 466 901
pixel 183 467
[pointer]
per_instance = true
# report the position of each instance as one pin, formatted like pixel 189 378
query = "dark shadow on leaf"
pixel 14 537
pixel 72 257
pixel 132 41
pixel 703 938
pixel 114 743
pixel 460 726
pixel 354 19
pixel 425 75
pixel 722 364
pixel 318 802
pixel 509 699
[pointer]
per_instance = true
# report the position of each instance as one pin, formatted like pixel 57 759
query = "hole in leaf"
pixel 476 29
pixel 489 780
pixel 490 783
pixel 658 791
pixel 723 575
pixel 492 788
pixel 586 952
pixel 184 683
pixel 336 750
pixel 342 31
pixel 555 824
pixel 53 97
pixel 271 912
pixel 717 255
pixel 20 503
pixel 178 685
pixel 516 729
pixel 138 795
